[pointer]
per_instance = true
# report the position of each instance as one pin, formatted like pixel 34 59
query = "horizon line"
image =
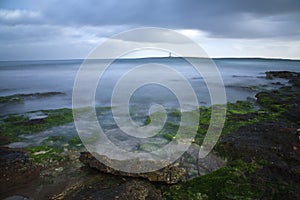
pixel 136 58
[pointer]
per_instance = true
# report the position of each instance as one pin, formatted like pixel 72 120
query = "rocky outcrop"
pixel 269 140
pixel 280 74
pixel 285 100
pixel 275 144
pixel 170 174
pixel 293 77
pixel 15 168
pixel 109 188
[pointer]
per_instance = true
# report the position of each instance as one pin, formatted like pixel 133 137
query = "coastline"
pixel 259 142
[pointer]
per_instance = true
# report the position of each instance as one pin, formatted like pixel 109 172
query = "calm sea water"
pixel 29 77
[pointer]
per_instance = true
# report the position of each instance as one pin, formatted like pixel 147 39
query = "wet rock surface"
pixel 107 187
pixel 281 74
pixel 16 168
pixel 285 100
pixel 293 77
pixel 275 142
pixel 18 197
pixel 170 174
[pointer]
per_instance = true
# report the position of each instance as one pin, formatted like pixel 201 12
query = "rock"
pixel 170 174
pixel 15 168
pixel 18 197
pixel 136 190
pixel 285 100
pixel 273 143
pixel 109 188
pixel 295 81
pixel 279 74
pixel 196 166
pixel 38 117
pixel 293 77
pixel 270 141
pixel 277 83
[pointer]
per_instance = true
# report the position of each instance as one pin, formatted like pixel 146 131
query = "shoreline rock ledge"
pixel 170 175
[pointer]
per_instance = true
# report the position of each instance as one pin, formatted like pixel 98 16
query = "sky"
pixel 70 29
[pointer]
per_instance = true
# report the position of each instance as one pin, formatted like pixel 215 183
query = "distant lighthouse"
pixel 170 54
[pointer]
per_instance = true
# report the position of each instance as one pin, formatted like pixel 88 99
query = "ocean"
pixel 49 84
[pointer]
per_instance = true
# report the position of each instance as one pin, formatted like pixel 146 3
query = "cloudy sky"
pixel 66 29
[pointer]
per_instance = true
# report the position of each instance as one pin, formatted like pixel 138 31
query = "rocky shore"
pixel 260 144
pixel 169 175
pixel 16 168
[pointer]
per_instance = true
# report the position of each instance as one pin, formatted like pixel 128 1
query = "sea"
pixel 49 84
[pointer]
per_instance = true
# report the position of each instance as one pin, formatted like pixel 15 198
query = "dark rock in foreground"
pixel 15 168
pixel 278 146
pixel 104 188
pixel 18 197
pixel 269 140
pixel 170 174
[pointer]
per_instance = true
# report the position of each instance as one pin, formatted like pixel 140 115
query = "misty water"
pixel 242 78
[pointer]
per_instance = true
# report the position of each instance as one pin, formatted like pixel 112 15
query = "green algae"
pixel 44 153
pixel 75 142
pixel 19 98
pixel 174 113
pixel 239 114
pixel 10 99
pixel 281 103
pixel 147 121
pixel 54 138
pixel 234 181
pixel 240 107
pixel 240 179
pixel 54 141
pixel 237 180
pixel 229 182
pixel 149 147
pixel 12 126
pixel 168 136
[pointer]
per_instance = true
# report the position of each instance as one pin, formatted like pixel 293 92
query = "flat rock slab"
pixel 108 188
pixel 170 174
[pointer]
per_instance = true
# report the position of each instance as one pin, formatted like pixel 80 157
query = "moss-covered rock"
pixel 45 154
pixel 17 98
pixel 12 126
pixel 229 182
pixel 10 99
pixel 75 142
pixel 149 147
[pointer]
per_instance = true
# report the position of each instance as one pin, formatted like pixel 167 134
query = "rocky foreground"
pixel 260 143
pixel 169 175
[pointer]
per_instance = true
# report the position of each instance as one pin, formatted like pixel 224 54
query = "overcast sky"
pixel 224 28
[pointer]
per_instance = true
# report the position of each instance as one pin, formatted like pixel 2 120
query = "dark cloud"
pixel 230 18
pixel 34 29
